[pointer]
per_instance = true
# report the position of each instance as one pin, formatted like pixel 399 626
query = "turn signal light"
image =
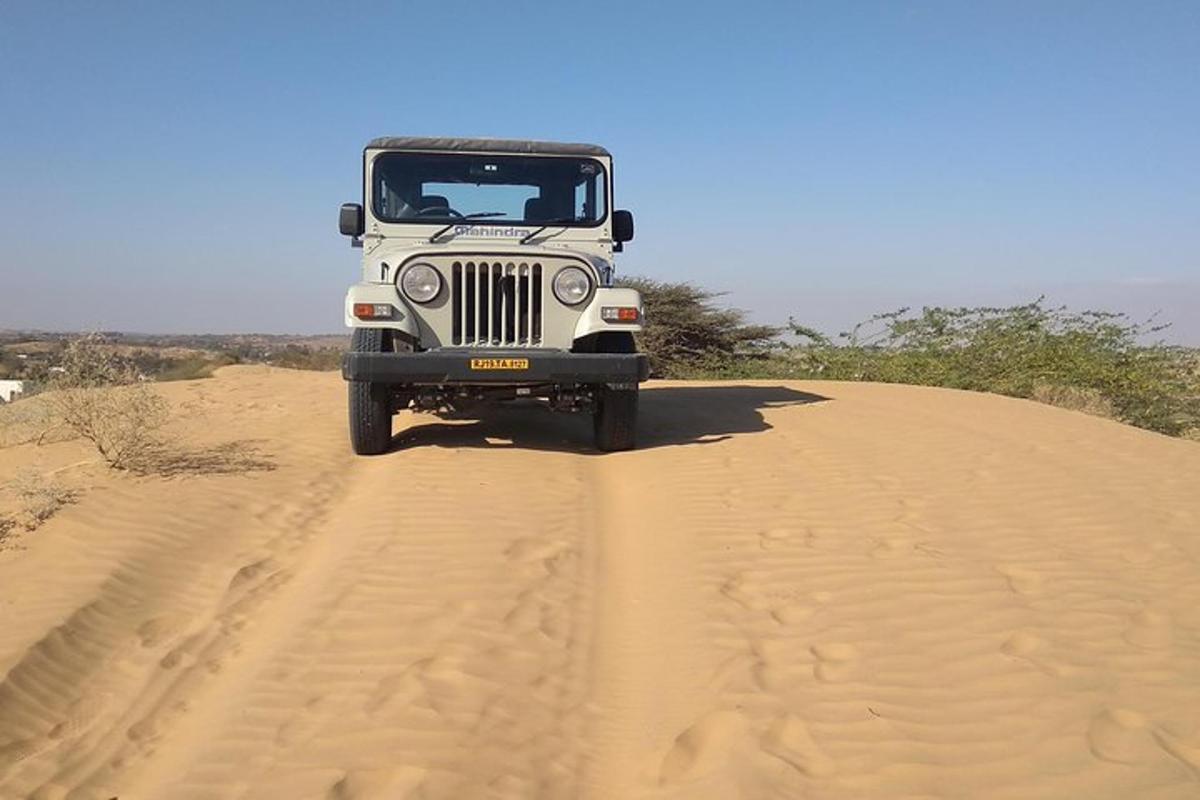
pixel 373 310
pixel 619 313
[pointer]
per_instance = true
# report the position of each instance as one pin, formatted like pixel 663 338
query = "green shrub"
pixel 1098 362
pixel 1020 351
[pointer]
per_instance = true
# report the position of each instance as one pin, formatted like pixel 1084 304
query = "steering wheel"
pixel 447 210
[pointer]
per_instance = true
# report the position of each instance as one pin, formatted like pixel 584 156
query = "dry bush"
pixel 37 498
pixel 100 396
pixel 23 421
pixel 298 356
pixel 1074 398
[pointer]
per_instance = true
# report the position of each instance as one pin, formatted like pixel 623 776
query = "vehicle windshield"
pixel 489 189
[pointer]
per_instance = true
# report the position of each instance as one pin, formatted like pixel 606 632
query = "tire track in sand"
pixel 417 655
pixel 99 691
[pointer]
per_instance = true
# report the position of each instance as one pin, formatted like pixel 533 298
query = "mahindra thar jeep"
pixel 487 276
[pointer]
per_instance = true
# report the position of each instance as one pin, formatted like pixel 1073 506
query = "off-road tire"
pixel 370 403
pixel 615 419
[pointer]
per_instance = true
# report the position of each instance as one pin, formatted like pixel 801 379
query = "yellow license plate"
pixel 499 363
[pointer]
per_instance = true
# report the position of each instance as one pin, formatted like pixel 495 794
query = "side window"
pixel 589 193
pixel 581 206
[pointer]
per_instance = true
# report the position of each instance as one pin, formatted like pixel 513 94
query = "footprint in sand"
pixel 80 716
pixel 835 662
pixel 894 547
pixel 252 573
pixel 526 613
pixel 820 536
pixel 301 728
pixel 448 688
pixel 731 673
pixel 912 510
pixel 789 739
pixel 1120 736
pixel 439 683
pixel 703 748
pixel 745 590
pixel 13 753
pixel 1138 556
pixel 1020 579
pixel 1021 644
pixel 532 612
pixel 1032 649
pixel 145 730
pixel 774 538
pixel 397 684
pixel 792 613
pixel 390 783
pixel 1149 630
pixel 552 554
pixel 888 483
pixel 775 662
pixel 154 632
pixel 185 653
pixel 531 549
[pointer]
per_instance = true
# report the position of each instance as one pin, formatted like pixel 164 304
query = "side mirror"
pixel 622 226
pixel 350 219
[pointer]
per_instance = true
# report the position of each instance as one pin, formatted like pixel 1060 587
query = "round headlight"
pixel 572 285
pixel 421 283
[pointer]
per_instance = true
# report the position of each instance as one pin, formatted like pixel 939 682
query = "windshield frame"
pixel 370 200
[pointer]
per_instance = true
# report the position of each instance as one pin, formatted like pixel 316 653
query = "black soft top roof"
pixel 485 145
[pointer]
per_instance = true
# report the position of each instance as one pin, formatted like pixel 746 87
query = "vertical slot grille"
pixel 496 304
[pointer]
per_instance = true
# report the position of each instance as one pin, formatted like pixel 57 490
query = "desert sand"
pixel 818 590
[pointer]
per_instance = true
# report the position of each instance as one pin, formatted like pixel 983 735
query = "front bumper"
pixel 477 366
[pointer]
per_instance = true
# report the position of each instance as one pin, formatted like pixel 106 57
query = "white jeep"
pixel 487 276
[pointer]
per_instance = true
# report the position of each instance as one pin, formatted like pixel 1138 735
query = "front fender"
pixel 591 322
pixel 402 317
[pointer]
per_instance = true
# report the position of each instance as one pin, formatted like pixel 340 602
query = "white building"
pixel 11 390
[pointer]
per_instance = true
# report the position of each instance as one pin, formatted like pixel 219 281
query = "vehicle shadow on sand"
pixel 670 415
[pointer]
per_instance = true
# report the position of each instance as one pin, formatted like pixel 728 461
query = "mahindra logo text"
pixel 490 231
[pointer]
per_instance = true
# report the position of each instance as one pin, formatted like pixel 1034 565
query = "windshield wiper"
pixel 458 221
pixel 525 239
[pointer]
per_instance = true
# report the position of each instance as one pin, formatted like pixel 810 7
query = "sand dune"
pixel 806 590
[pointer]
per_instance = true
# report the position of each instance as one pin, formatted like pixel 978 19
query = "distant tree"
pixel 686 332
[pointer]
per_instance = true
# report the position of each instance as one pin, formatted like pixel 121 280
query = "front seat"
pixel 431 201
pixel 537 210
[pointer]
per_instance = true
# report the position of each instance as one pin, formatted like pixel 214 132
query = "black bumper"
pixel 435 367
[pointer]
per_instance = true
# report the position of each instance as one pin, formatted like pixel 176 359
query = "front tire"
pixel 370 403
pixel 615 419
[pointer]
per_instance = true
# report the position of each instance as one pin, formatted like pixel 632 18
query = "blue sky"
pixel 178 166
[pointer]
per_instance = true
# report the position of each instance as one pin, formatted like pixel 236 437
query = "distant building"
pixel 11 390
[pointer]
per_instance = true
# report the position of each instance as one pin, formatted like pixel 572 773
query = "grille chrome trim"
pixel 497 304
